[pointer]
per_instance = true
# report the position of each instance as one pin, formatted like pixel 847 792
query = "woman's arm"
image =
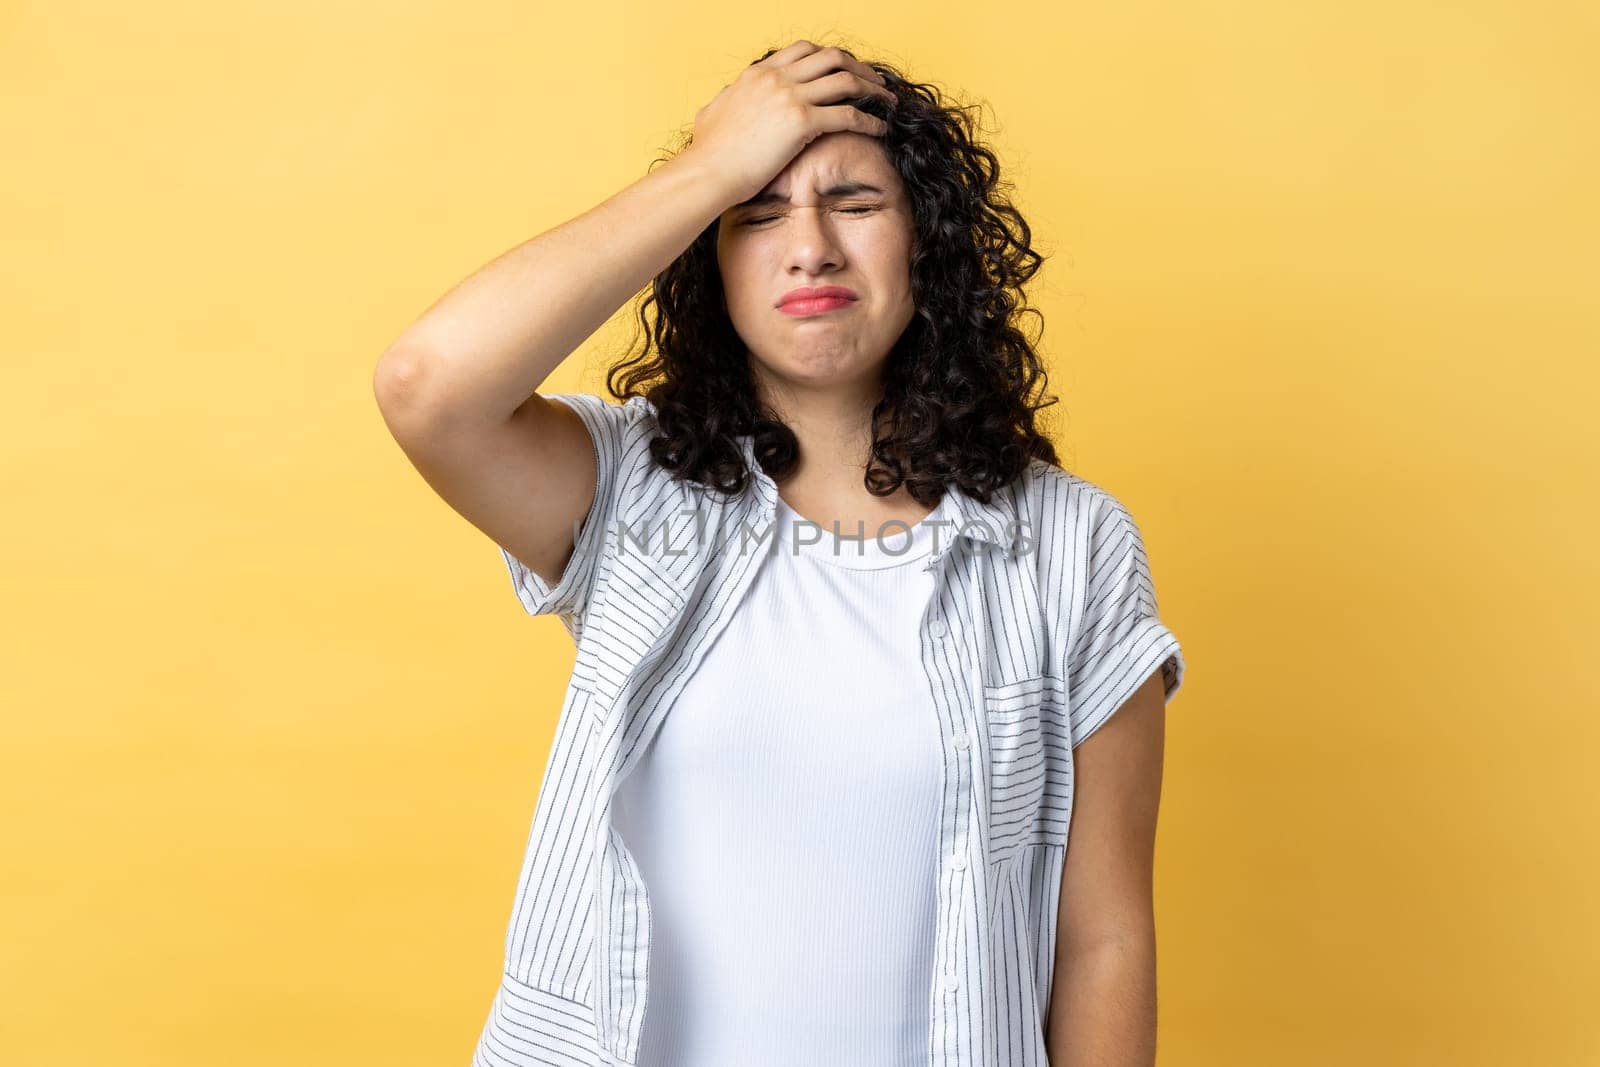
pixel 483 348
pixel 457 388
pixel 1102 1008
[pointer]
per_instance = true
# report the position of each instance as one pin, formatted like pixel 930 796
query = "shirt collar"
pixel 992 523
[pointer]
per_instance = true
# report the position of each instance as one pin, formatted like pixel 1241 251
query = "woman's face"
pixel 838 215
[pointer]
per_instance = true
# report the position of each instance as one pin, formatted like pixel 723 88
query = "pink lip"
pixel 815 300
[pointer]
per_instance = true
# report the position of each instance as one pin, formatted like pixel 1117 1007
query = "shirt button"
pixel 962 743
pixel 937 628
pixel 951 983
pixel 958 863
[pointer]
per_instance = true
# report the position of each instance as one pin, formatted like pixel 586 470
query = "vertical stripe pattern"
pixel 1042 623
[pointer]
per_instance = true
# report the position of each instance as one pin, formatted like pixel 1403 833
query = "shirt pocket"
pixel 1029 776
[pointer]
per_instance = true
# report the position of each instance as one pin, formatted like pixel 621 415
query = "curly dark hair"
pixel 958 403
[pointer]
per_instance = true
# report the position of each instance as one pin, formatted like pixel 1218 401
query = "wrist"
pixel 707 178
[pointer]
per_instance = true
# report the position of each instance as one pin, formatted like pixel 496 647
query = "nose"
pixel 813 247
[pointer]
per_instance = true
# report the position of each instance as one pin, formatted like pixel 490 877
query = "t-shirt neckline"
pixel 861 546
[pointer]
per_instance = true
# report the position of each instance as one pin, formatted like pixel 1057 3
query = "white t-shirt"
pixel 792 881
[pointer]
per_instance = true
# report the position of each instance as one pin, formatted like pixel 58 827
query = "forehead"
pixel 835 159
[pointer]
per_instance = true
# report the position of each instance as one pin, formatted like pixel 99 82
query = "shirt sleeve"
pixel 1120 638
pixel 609 427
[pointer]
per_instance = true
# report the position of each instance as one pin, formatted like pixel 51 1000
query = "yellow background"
pixel 1321 306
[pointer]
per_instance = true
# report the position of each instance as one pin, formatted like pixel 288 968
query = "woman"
pixel 842 622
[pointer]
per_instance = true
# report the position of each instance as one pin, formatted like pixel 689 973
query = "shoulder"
pixel 621 432
pixel 1063 508
pixel 634 415
pixel 630 484
pixel 1083 543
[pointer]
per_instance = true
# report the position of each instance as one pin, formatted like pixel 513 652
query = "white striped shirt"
pixel 1043 623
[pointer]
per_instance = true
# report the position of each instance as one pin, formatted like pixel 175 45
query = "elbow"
pixel 399 381
pixel 406 387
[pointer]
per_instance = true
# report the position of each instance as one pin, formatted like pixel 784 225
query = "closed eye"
pixel 768 218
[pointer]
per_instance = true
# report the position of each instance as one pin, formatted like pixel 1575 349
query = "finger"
pixel 818 64
pixel 847 117
pixel 788 54
pixel 867 70
pixel 841 86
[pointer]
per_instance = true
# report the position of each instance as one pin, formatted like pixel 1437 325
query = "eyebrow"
pixel 833 192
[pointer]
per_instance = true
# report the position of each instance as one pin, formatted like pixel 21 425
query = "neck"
pixel 828 483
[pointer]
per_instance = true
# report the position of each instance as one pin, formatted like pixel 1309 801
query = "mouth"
pixel 815 305
pixel 816 301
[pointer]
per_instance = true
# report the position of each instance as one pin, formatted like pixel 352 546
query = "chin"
pixel 821 371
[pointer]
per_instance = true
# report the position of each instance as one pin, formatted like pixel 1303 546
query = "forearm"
pixel 1103 1007
pixel 491 341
